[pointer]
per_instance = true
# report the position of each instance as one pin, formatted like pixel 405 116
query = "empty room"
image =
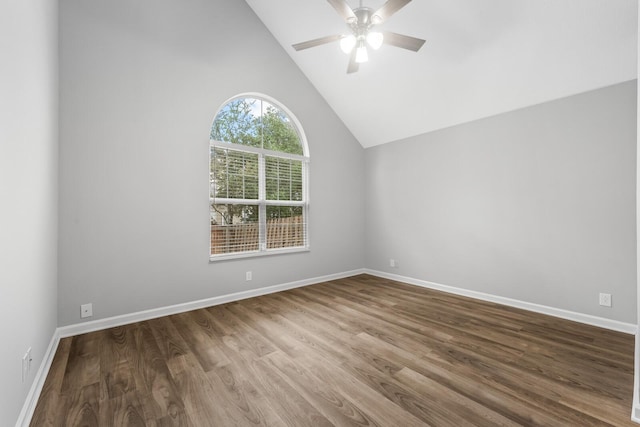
pixel 320 212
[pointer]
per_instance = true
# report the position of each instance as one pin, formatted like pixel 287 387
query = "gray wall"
pixel 536 205
pixel 141 81
pixel 28 193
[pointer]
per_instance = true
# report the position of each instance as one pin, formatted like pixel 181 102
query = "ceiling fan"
pixel 361 22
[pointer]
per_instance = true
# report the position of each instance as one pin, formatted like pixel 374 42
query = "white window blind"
pixel 237 174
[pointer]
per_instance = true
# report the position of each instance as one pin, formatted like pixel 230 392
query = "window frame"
pixel 262 202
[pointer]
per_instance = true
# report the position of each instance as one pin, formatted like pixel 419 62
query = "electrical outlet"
pixel 248 276
pixel 86 310
pixel 605 300
pixel 393 263
pixel 26 365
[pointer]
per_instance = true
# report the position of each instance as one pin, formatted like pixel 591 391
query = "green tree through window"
pixel 258 169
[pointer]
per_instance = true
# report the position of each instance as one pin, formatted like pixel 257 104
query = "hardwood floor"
pixel 357 351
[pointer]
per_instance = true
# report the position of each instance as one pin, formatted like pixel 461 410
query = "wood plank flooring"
pixel 360 351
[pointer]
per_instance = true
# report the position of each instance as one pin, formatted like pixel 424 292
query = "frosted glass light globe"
pixel 347 43
pixel 361 54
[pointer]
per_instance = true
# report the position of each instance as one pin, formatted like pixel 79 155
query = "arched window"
pixel 259 164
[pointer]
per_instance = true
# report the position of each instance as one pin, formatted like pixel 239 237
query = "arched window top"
pixel 260 122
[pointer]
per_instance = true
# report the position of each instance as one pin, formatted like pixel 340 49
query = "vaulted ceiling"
pixel 481 58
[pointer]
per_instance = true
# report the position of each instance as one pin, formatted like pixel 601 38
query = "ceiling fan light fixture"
pixel 375 39
pixel 347 43
pixel 361 54
pixel 361 21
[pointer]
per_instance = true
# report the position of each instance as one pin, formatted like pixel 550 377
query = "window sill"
pixel 254 254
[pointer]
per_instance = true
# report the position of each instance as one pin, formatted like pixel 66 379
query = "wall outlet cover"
pixel 86 310
pixel 605 300
pixel 26 365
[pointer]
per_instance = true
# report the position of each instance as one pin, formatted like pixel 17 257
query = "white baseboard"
pixel 110 322
pixel 588 319
pixel 38 382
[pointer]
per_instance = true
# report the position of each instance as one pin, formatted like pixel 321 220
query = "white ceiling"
pixel 481 58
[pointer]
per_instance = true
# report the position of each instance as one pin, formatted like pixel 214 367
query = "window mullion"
pixel 244 181
pixel 226 173
pixel 278 179
pixel 262 209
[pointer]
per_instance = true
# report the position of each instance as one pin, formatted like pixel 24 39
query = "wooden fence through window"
pixel 281 233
